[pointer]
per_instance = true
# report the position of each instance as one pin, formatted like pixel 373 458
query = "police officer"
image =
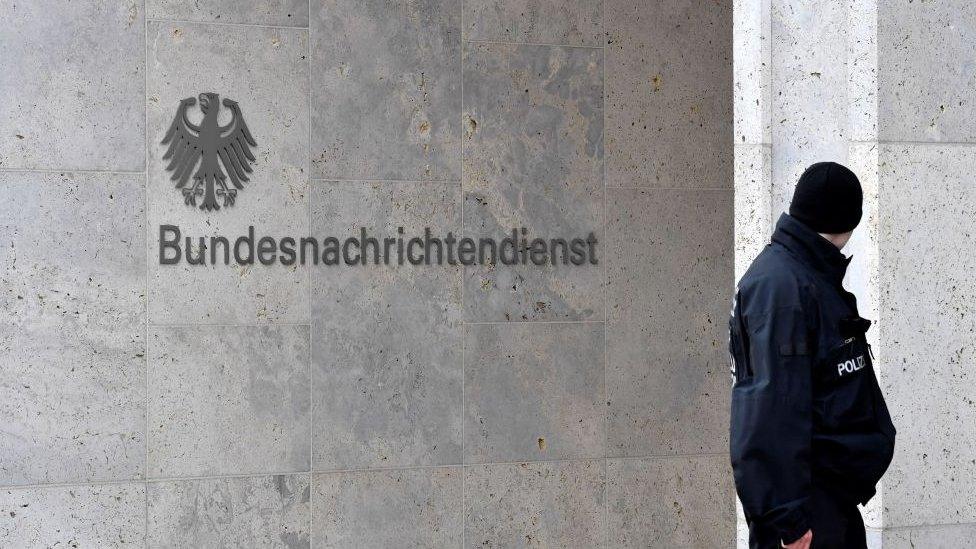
pixel 810 431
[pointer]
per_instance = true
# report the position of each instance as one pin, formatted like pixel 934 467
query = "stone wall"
pixel 203 406
pixel 884 87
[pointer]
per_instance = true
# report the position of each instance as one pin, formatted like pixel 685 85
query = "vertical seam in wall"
pixel 308 271
pixel 767 115
pixel 461 270
pixel 145 216
pixel 606 292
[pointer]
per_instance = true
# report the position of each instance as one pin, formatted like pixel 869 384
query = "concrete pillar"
pixel 885 87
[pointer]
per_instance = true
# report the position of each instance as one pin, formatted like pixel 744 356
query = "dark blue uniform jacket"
pixel 806 406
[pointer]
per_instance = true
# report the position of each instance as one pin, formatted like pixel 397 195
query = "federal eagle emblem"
pixel 200 147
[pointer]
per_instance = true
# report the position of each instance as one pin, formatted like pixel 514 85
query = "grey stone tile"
pixel 925 75
pixel 72 327
pixel 386 340
pixel 566 22
pixel 534 391
pixel 810 121
pixel 387 508
pixel 684 502
pixel 108 515
pixel 753 204
pixel 386 89
pixel 73 85
pixel 186 60
pixel 227 400
pixel 533 158
pixel 925 351
pixel 670 280
pixel 752 73
pixel 669 94
pixel 941 536
pixel 292 13
pixel 264 511
pixel 541 504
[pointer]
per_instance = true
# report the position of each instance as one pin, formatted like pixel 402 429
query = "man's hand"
pixel 802 543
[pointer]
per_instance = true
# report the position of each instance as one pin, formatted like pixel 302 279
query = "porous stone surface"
pixel 560 22
pixel 106 515
pixel 545 504
pixel 669 89
pixel 71 98
pixel 386 89
pixel 386 340
pixel 226 400
pixel 678 502
pixel 289 13
pixel 534 391
pixel 669 281
pixel 391 508
pixel 928 310
pixel 259 511
pixel 924 83
pixel 533 158
pixel 72 327
pixel 943 536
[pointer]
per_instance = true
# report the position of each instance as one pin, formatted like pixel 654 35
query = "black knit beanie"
pixel 827 198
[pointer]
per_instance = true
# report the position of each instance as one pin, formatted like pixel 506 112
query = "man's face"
pixel 839 239
pixel 844 238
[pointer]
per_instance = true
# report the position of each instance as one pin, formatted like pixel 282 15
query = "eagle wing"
pixel 234 146
pixel 184 147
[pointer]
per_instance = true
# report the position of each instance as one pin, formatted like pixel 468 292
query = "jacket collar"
pixel 811 248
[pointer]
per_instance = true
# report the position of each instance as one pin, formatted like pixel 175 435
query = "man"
pixel 810 434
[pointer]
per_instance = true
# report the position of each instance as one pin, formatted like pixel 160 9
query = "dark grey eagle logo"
pixel 192 146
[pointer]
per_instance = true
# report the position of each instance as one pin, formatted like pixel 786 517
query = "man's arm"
pixel 771 415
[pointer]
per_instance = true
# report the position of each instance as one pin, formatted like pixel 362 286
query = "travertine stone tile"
pixel 533 158
pixel 927 321
pixel 669 90
pixel 189 59
pixel 227 400
pixel 670 282
pixel 386 89
pixel 752 73
pixel 810 117
pixel 262 511
pixel 541 504
pixel 939 536
pixel 291 13
pixel 534 391
pixel 753 204
pixel 386 340
pixel 925 76
pixel 681 502
pixel 72 327
pixel 106 515
pixel 73 85
pixel 563 22
pixel 387 508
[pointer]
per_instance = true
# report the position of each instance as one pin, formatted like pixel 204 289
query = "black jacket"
pixel 806 406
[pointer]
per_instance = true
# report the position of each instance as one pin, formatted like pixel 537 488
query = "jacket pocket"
pixel 849 387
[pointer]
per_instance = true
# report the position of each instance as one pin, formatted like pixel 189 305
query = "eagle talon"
pixel 228 195
pixel 189 196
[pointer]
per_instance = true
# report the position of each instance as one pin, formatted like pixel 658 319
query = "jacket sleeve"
pixel 771 419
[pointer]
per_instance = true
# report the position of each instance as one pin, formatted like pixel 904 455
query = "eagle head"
pixel 207 99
